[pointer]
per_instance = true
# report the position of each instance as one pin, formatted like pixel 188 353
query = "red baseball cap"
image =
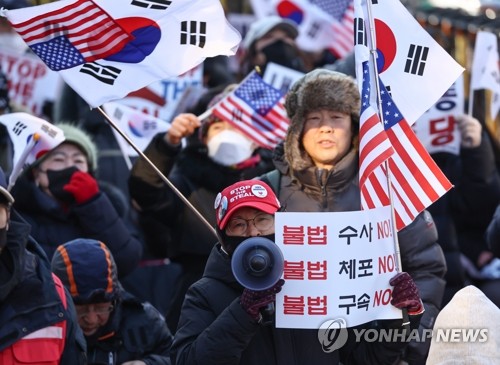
pixel 247 193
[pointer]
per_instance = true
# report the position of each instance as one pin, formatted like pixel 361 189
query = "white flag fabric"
pixel 166 38
pixel 485 72
pixel 413 66
pixel 138 126
pixel 31 138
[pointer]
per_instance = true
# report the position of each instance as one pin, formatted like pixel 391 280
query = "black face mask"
pixel 57 180
pixel 283 54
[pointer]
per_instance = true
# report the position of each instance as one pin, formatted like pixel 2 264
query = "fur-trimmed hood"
pixel 319 89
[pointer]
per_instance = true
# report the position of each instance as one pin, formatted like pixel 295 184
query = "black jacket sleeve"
pixel 211 339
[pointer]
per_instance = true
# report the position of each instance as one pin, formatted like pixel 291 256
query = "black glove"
pixel 253 301
pixel 57 180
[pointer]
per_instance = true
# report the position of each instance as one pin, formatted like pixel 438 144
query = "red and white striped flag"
pixel 374 145
pixel 70 33
pixel 342 12
pixel 415 179
pixel 257 109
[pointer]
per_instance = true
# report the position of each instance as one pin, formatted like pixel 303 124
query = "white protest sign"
pixel 337 265
pixel 436 128
pixel 138 126
pixel 31 82
pixel 282 78
pixel 160 98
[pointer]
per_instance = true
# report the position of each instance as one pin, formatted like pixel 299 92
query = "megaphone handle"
pixel 267 313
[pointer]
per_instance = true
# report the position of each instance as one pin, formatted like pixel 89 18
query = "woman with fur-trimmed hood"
pixel 318 166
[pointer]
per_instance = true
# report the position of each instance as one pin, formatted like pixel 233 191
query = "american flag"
pixel 416 180
pixel 374 145
pixel 257 109
pixel 342 13
pixel 72 35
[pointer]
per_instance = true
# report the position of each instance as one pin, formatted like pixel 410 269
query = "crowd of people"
pixel 78 230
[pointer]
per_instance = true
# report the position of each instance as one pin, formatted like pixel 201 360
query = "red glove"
pixel 252 301
pixel 82 186
pixel 405 294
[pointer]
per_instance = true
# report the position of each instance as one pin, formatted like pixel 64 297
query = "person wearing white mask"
pixel 215 155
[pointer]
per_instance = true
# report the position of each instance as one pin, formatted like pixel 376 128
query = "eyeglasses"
pixel 239 226
pixel 100 310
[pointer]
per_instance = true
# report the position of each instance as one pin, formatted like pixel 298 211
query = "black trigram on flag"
pixel 312 32
pixel 359 32
pixel 18 128
pixel 415 61
pixel 152 4
pixel 106 74
pixel 193 32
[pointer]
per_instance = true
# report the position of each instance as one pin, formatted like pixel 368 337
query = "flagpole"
pixel 373 55
pixel 18 168
pixel 160 174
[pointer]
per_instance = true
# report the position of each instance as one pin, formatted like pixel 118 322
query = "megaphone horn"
pixel 257 263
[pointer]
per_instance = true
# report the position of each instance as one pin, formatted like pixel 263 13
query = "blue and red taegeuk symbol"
pixel 146 35
pixel 289 10
pixel 386 45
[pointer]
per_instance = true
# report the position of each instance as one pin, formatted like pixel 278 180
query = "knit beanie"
pixel 87 269
pixel 78 137
pixel 469 309
pixel 318 89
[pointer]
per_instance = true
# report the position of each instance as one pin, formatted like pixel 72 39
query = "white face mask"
pixel 229 148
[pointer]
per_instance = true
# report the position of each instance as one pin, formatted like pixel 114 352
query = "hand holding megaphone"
pixel 260 304
pixel 257 264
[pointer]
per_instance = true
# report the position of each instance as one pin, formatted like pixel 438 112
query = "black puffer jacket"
pixel 52 225
pixel 135 331
pixel 29 300
pixel 214 329
pixel 315 190
pixel 170 227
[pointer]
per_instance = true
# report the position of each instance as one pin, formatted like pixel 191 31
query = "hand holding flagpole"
pixel 160 174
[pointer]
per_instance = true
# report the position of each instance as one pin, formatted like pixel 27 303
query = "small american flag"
pixel 342 13
pixel 257 109
pixel 71 35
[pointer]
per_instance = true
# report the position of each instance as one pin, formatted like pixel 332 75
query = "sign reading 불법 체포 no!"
pixel 337 265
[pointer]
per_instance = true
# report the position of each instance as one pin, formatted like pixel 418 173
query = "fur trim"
pixel 319 89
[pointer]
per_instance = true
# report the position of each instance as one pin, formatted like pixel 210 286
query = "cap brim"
pixel 6 194
pixel 265 207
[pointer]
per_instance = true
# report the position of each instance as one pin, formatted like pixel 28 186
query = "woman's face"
pixel 64 156
pixel 250 222
pixel 327 137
